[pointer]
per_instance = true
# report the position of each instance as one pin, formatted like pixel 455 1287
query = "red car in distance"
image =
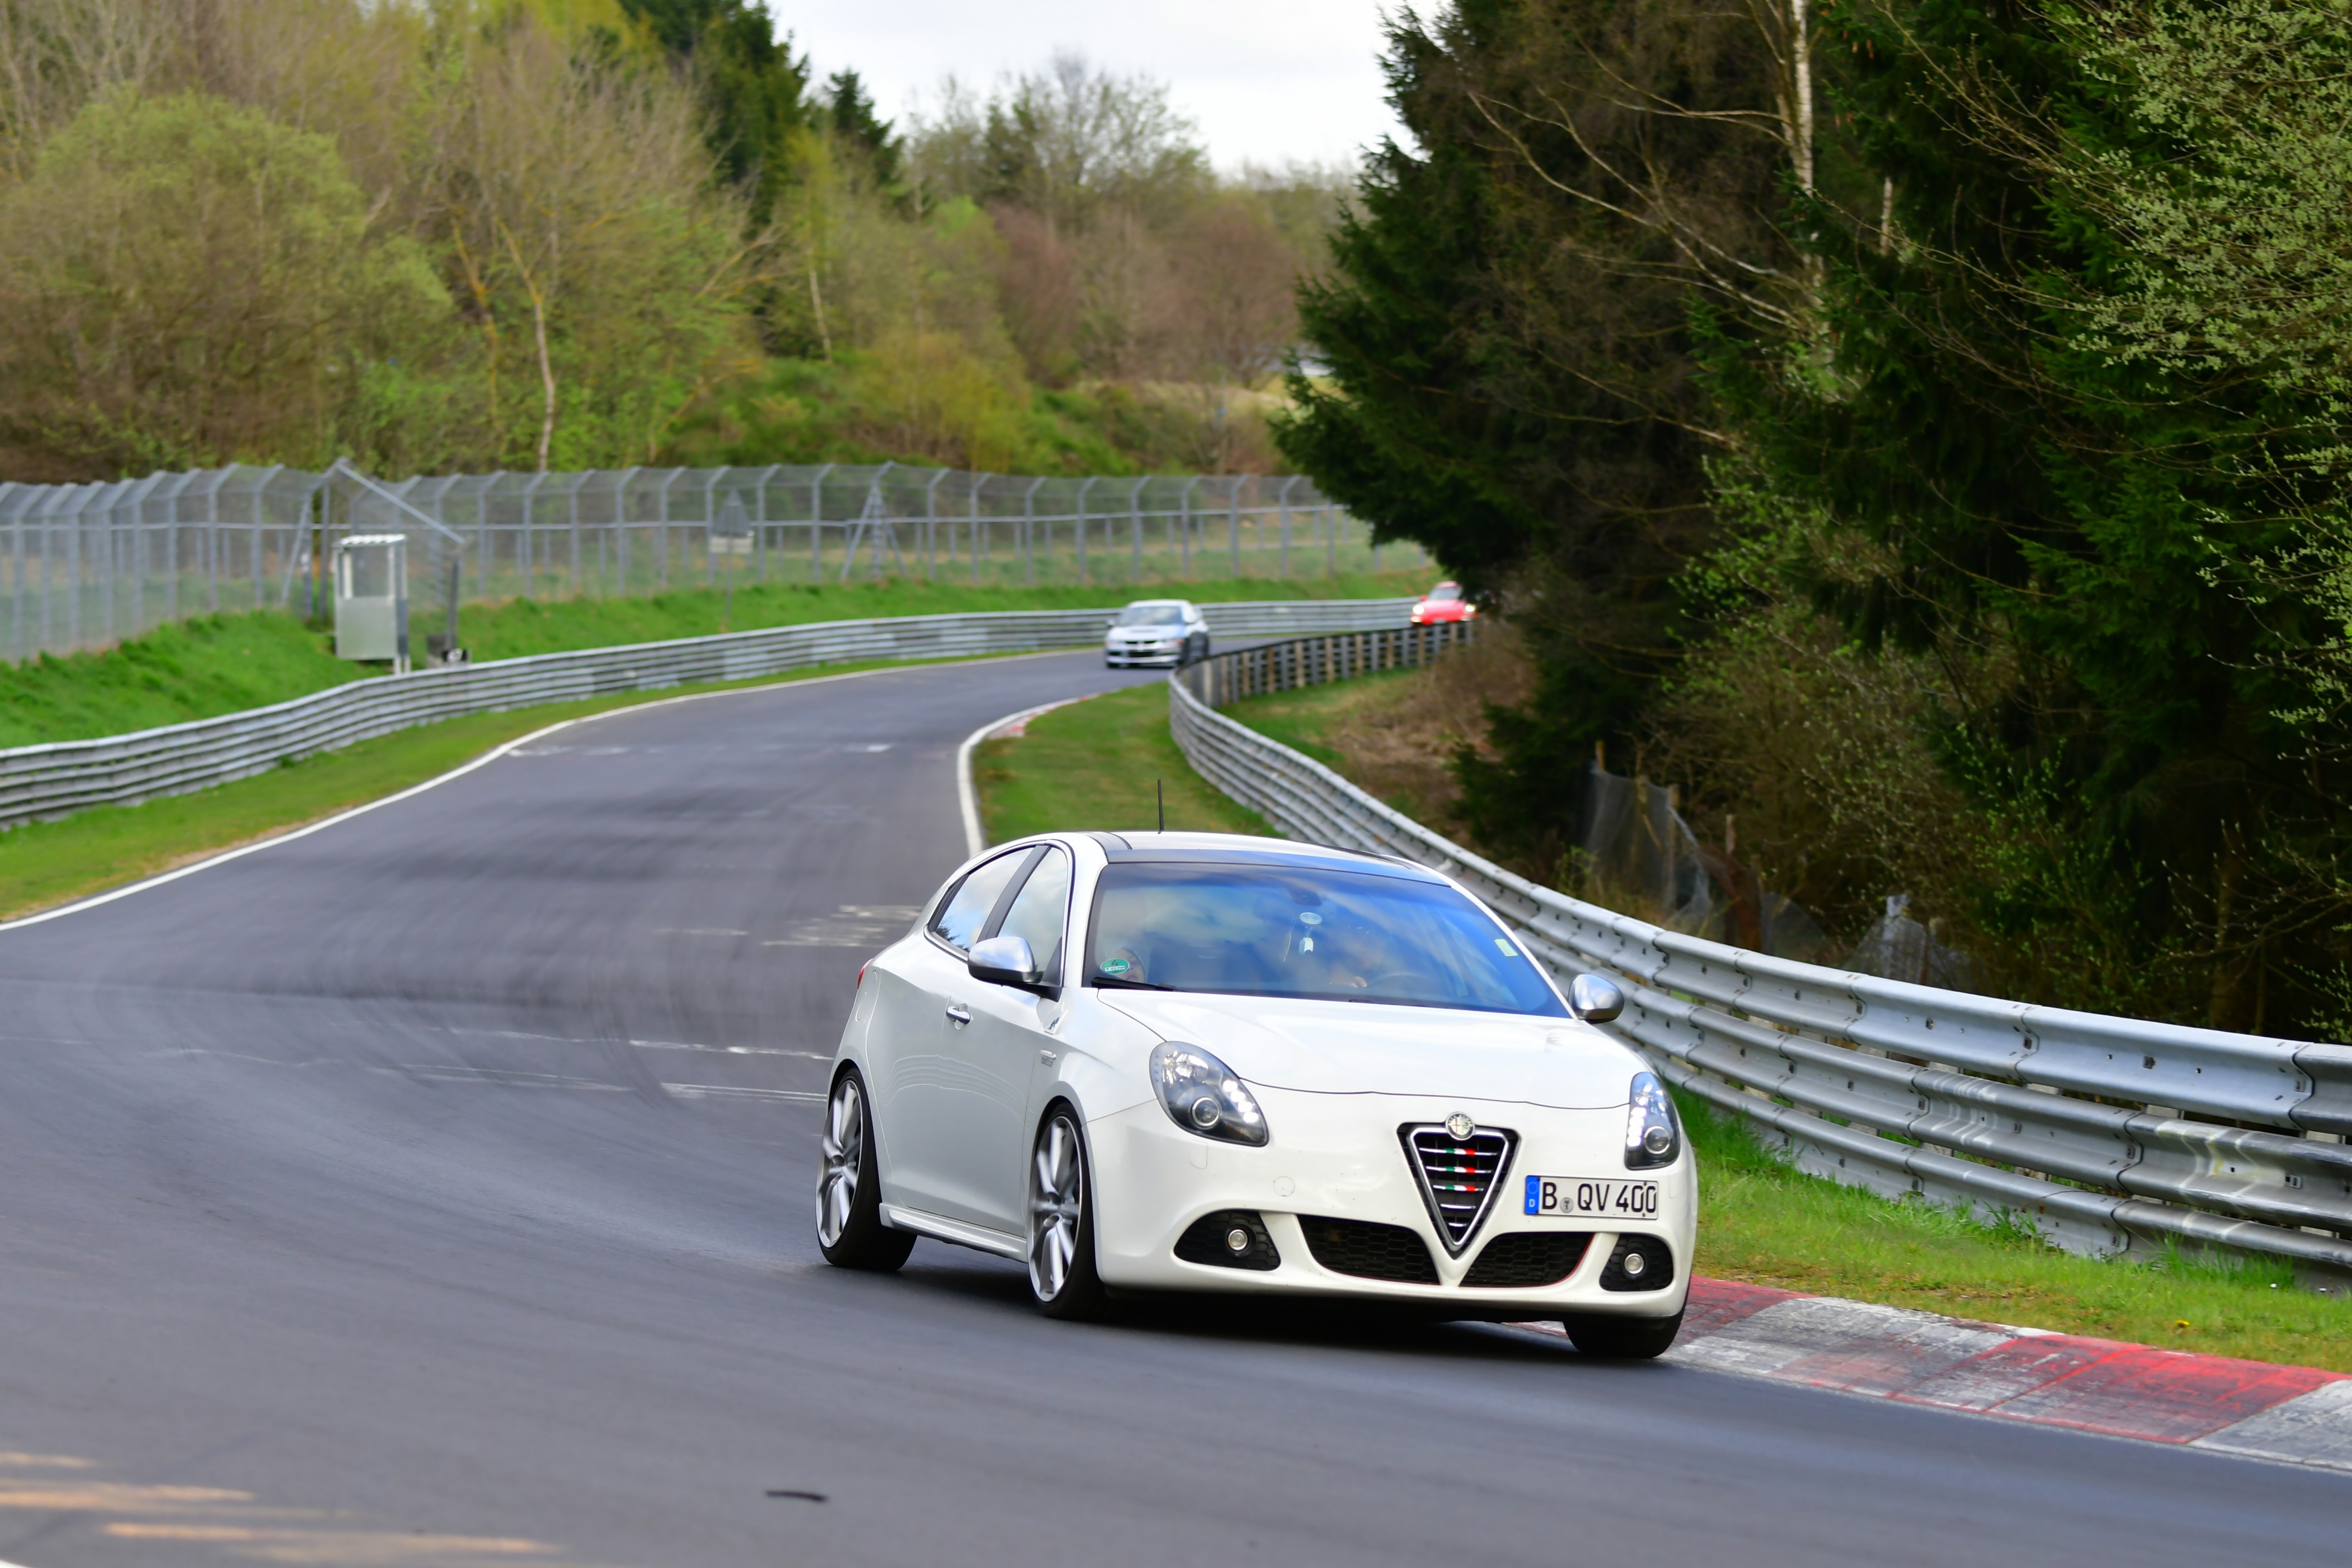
pixel 1444 603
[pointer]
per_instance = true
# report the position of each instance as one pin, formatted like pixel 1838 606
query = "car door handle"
pixel 959 1012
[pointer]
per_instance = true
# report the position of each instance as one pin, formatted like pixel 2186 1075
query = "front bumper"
pixel 1136 654
pixel 1339 1156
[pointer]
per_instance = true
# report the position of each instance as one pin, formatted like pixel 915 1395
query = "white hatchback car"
pixel 1190 1061
pixel 1171 631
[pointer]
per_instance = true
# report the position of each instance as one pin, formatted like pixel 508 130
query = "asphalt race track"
pixel 436 1190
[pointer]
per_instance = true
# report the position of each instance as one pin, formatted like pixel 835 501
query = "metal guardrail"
pixel 40 782
pixel 2110 1134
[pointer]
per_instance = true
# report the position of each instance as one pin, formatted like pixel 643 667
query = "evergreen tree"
pixel 756 88
pixel 850 110
pixel 1511 379
pixel 2090 525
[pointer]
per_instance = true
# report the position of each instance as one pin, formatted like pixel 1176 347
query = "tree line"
pixel 1916 427
pixel 544 233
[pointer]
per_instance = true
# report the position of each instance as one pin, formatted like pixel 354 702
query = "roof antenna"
pixel 1159 791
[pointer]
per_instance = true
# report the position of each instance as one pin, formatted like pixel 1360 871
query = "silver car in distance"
pixel 1189 1062
pixel 1171 631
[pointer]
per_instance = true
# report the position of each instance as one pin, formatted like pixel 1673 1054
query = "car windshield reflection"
pixel 1151 615
pixel 1334 935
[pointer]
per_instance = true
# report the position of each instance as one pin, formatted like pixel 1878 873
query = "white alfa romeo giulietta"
pixel 1149 1062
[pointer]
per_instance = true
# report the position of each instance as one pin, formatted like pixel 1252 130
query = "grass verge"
pixel 44 864
pixel 1300 719
pixel 1764 1221
pixel 1090 765
pixel 216 664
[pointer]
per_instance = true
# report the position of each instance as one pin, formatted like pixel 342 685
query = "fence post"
pixel 931 526
pixel 817 524
pixel 17 589
pixel 979 544
pixel 759 550
pixel 1185 503
pixel 1135 529
pixel 1029 529
pixel 1285 500
pixel 1082 529
pixel 1234 525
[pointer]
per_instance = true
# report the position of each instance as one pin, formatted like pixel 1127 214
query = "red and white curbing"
pixel 2293 1414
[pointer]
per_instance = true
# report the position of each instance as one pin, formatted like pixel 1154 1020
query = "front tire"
pixel 849 1227
pixel 1622 1339
pixel 1061 1278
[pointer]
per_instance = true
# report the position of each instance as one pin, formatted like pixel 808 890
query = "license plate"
pixel 1592 1198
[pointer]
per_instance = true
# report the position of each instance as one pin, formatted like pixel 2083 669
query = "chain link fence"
pixel 87 565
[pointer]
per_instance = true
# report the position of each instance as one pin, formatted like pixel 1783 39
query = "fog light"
pixel 1229 1239
pixel 1633 1265
pixel 1206 1113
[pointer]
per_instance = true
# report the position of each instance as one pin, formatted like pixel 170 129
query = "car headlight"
pixel 1653 1135
pixel 1202 1095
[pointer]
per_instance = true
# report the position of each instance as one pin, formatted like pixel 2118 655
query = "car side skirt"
pixel 956 1232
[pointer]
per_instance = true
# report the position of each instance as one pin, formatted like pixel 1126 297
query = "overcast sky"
pixel 1268 81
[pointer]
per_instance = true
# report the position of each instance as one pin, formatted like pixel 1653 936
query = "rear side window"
pixel 965 912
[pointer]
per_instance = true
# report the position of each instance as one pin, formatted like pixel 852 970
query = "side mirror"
pixel 1004 961
pixel 1589 998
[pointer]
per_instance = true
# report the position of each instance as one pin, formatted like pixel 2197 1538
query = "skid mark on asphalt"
pixel 851 926
pixel 234 1523
pixel 729 1091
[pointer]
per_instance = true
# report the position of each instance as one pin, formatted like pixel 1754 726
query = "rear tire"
pixel 849 1227
pixel 1622 1339
pixel 1061 1278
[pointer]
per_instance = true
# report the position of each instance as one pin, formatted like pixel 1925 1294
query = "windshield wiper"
pixel 1122 983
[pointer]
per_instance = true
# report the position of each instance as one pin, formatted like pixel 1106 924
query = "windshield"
pixel 1445 593
pixel 1152 615
pixel 1266 931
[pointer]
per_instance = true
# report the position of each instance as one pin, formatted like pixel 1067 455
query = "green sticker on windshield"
pixel 1115 965
pixel 1508 950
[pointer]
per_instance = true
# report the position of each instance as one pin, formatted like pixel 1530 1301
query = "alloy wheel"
pixel 844 1149
pixel 1058 1178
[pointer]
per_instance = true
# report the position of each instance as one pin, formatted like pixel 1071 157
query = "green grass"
pixel 1763 1221
pixel 1299 718
pixel 1090 765
pixel 225 663
pixel 191 669
pixel 44 864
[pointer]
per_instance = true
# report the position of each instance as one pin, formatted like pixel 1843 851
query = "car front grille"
pixel 1458 1176
pixel 1369 1251
pixel 1525 1258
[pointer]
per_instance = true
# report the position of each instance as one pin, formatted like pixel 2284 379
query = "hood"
pixel 1360 1048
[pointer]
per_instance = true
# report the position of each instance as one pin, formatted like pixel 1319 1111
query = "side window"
pixel 967 909
pixel 1039 912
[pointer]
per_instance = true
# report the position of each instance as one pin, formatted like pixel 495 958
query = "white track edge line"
pixel 967 795
pixel 485 760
